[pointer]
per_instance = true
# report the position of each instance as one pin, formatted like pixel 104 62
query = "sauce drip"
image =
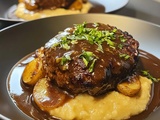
pixel 22 94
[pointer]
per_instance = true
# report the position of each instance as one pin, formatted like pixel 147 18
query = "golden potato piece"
pixel 30 6
pixel 47 96
pixel 77 5
pixel 130 87
pixel 20 1
pixel 33 72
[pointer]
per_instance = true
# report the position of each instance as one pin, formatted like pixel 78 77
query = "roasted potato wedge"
pixel 130 87
pixel 33 72
pixel 77 5
pixel 47 96
pixel 20 1
pixel 30 6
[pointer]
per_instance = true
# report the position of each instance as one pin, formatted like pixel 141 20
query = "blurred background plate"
pixel 8 7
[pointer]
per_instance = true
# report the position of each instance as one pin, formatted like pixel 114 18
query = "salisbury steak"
pixel 43 4
pixel 90 57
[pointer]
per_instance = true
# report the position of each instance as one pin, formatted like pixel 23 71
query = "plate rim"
pixel 92 14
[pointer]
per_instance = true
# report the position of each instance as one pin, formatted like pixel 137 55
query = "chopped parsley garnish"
pixel 120 46
pixel 93 35
pixel 64 60
pixel 114 30
pixel 55 45
pixel 149 76
pixel 91 67
pixel 122 39
pixel 89 57
pixel 125 56
pixel 65 43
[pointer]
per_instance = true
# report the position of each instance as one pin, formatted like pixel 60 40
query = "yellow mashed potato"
pixel 23 13
pixel 112 106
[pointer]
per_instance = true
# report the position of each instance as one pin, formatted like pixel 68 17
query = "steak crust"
pixel 51 4
pixel 69 65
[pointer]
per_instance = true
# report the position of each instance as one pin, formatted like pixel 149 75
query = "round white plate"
pixel 112 5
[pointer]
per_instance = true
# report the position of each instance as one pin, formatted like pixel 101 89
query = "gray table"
pixel 148 10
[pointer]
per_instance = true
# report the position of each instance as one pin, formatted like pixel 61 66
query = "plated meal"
pixel 87 71
pixel 34 9
pixel 21 10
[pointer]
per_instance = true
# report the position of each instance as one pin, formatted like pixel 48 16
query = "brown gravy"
pixel 22 94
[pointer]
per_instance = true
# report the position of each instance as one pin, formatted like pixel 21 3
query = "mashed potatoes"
pixel 23 13
pixel 112 106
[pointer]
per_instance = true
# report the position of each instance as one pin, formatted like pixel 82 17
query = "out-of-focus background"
pixel 147 10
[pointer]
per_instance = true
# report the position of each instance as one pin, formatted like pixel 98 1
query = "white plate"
pixel 112 5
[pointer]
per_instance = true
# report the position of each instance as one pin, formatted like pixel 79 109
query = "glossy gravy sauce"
pixel 22 94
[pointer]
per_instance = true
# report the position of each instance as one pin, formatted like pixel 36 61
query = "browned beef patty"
pixel 43 4
pixel 90 57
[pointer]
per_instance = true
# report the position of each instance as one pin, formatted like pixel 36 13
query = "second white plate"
pixel 111 5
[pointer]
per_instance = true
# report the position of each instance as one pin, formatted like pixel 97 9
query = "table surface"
pixel 148 10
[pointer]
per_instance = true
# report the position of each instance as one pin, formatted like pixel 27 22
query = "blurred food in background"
pixel 35 9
